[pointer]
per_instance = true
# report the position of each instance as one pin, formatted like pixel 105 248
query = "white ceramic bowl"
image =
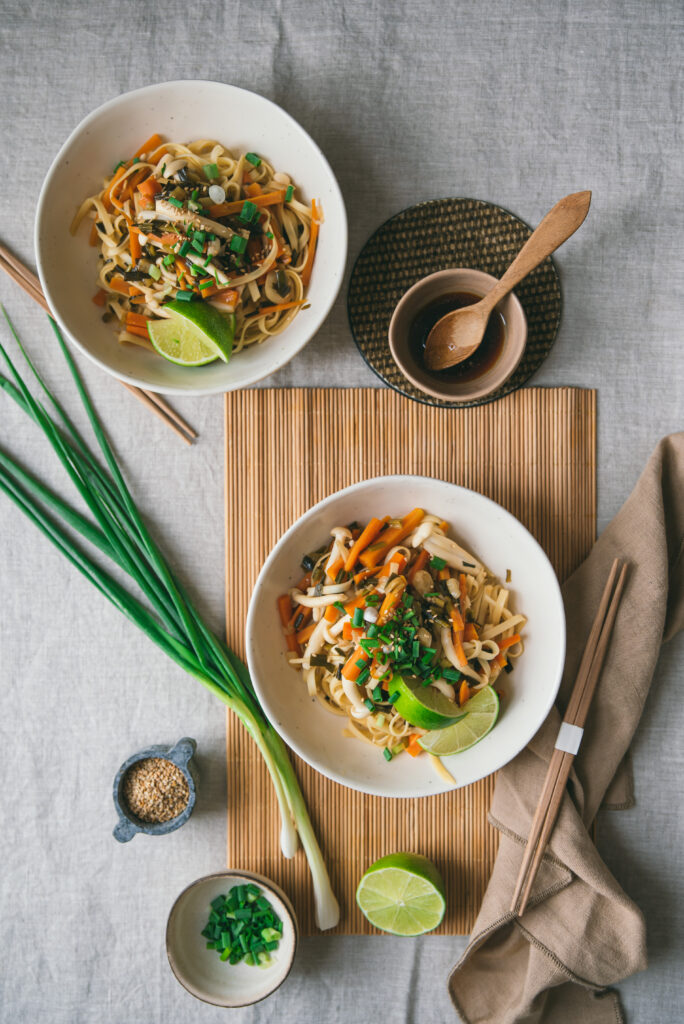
pixel 502 543
pixel 179 111
pixel 201 970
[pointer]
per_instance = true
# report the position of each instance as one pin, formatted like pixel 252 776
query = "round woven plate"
pixel 437 235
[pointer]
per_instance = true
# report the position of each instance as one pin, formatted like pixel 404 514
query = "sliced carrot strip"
pixel 337 565
pixel 470 631
pixel 118 284
pixel 149 187
pixel 305 613
pixel 253 189
pixel 389 604
pixel 331 613
pixel 367 537
pixel 463 693
pixel 443 574
pixel 413 747
pixel 285 608
pixel 100 297
pixel 267 310
pixel 292 644
pixel 420 563
pixel 313 241
pixel 149 145
pixel 137 319
pixel 258 198
pixel 351 670
pixel 391 537
pixel 304 634
pixel 141 332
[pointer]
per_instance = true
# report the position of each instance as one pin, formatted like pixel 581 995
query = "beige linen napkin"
pixel 581 932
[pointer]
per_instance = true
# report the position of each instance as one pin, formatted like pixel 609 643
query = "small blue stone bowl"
pixel 181 755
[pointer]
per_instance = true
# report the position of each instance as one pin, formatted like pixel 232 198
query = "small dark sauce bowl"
pixel 484 371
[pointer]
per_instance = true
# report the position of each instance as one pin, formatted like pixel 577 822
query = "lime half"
pixel 423 706
pixel 402 894
pixel 481 713
pixel 194 334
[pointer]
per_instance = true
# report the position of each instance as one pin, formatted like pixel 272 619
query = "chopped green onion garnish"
pixel 120 164
pixel 194 193
pixel 211 171
pixel 176 202
pixel 387 754
pixel 136 160
pixel 452 674
pixel 185 296
pixel 289 192
pixel 238 244
pixel 394 697
pixel 248 212
pixel 372 630
pixel 358 617
pixel 437 563
pixel 206 284
pixel 377 693
pixel 253 159
pixel 168 260
pixel 197 245
pixel 360 663
pixel 363 676
pixel 154 272
pixel 369 704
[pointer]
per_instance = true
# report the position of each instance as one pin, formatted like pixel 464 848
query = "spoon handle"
pixel 557 226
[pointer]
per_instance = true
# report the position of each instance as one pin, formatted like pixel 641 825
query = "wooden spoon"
pixel 458 334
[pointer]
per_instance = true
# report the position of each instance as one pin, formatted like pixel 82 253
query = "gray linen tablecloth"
pixel 516 103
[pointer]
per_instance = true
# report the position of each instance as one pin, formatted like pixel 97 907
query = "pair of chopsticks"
pixel 27 280
pixel 569 736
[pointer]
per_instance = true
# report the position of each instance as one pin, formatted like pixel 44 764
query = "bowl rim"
pixel 217 388
pixel 275 890
pixel 411 480
pixel 475 392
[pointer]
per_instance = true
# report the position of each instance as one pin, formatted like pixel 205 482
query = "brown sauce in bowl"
pixel 484 357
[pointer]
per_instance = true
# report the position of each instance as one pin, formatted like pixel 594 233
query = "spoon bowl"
pixel 456 336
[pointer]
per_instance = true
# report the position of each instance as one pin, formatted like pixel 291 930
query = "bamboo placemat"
pixel 534 452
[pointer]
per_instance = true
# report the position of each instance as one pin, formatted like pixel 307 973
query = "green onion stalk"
pixel 164 611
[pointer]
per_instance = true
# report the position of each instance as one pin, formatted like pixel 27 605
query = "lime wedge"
pixel 481 712
pixel 402 894
pixel 194 334
pixel 423 706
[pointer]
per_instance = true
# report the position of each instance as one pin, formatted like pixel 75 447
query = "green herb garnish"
pixel 243 926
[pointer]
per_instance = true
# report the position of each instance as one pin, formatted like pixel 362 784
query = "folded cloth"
pixel 581 933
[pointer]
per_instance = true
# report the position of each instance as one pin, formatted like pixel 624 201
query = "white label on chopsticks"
pixel 569 738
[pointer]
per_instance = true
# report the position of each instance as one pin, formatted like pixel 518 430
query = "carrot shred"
pixel 331 613
pixel 509 641
pixel 313 241
pixel 305 613
pixel 137 319
pixel 149 187
pixel 149 145
pixel 285 608
pixel 267 310
pixel 258 198
pixel 457 620
pixel 443 574
pixel 351 670
pixel 350 632
pixel 305 582
pixel 253 190
pixel 413 747
pixel 420 563
pixel 390 537
pixel 365 573
pixel 134 241
pixel 358 602
pixel 470 631
pixel 444 525
pixel 389 604
pixel 118 284
pixel 463 693
pixel 140 332
pixel 292 644
pixel 463 589
pixel 367 537
pixel 107 195
pixel 396 565
pixel 166 239
pixel 337 565
pixel 304 634
pixel 100 297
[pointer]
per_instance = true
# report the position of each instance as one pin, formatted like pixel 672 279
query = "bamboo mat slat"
pixel 534 452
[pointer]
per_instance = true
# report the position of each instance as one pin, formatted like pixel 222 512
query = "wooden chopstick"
pixel 27 280
pixel 575 717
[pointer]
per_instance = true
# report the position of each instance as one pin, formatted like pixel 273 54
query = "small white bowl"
pixel 180 112
pixel 494 536
pixel 200 970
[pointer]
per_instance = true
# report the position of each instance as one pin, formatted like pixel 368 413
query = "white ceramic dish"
pixel 200 970
pixel 491 533
pixel 179 111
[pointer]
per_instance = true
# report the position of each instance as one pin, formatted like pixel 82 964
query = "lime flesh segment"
pixel 481 713
pixel 402 894
pixel 193 335
pixel 423 706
